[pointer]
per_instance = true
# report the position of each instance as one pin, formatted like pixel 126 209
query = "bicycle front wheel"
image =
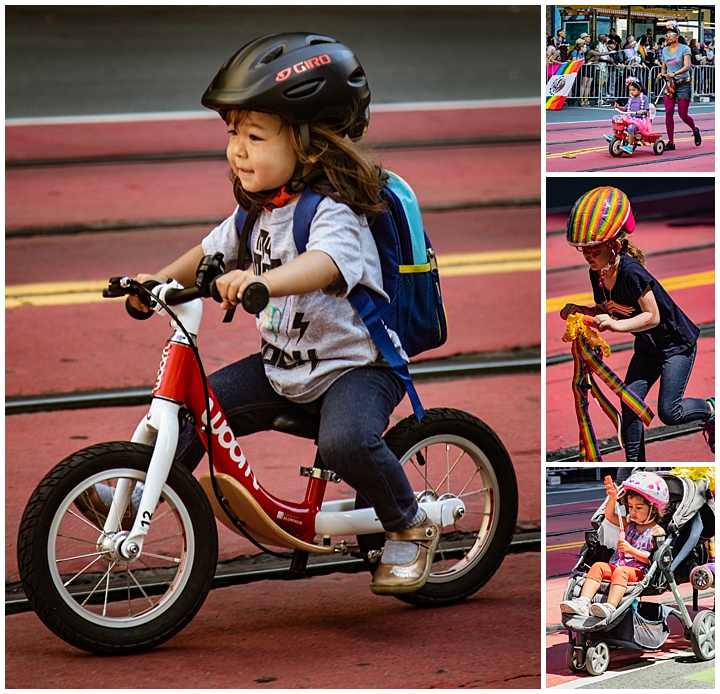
pixel 79 585
pixel 452 453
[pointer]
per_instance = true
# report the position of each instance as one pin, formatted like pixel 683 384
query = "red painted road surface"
pixel 328 632
pixel 206 132
pixel 83 335
pixel 556 643
pixel 272 633
pixel 200 189
pixel 584 143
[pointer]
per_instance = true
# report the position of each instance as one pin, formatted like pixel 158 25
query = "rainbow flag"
pixel 560 84
pixel 641 51
pixel 631 54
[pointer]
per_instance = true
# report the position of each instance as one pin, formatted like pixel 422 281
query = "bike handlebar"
pixel 255 297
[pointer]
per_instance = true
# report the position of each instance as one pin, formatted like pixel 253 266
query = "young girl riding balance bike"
pixel 116 524
pixel 628 299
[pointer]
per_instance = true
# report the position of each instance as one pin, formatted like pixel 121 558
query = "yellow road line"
pixel 682 282
pixel 569 545
pixel 575 152
pixel 451 265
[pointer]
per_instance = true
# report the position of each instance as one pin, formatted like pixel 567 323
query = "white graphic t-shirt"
pixel 310 340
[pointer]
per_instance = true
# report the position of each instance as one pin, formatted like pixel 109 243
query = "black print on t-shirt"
pixel 282 360
pixel 262 255
pixel 300 324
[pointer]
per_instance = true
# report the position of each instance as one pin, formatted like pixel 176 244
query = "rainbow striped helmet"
pixel 599 216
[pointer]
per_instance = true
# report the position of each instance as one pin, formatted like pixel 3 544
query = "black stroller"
pixel 688 521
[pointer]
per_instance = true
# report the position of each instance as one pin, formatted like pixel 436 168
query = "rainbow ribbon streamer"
pixel 588 349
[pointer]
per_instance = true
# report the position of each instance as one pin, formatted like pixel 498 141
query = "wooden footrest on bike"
pixel 257 523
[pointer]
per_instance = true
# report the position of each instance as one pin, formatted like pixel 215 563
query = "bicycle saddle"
pixel 298 423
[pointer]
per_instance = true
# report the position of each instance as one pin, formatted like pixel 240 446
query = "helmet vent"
pixel 271 55
pixel 304 89
pixel 357 79
pixel 315 40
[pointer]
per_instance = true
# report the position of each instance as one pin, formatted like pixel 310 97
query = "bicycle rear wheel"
pixel 76 580
pixel 451 452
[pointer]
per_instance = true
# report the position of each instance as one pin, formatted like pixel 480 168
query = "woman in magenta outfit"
pixel 677 68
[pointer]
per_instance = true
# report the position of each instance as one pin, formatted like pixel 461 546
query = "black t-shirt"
pixel 675 334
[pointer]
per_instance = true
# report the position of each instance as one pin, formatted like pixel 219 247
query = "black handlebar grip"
pixel 255 297
pixel 135 313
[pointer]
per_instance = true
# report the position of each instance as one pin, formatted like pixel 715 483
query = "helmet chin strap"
pixel 611 262
pixel 297 183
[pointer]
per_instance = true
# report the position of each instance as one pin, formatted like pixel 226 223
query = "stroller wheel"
pixel 702 635
pixel 575 658
pixel 598 658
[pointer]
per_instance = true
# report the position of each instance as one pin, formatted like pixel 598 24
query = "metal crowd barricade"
pixel 603 84
pixel 703 82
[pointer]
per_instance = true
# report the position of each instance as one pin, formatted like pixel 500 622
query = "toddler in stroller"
pixel 599 610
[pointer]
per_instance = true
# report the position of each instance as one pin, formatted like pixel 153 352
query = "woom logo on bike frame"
pixel 226 438
pixel 162 367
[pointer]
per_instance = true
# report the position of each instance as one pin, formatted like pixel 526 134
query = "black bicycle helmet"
pixel 304 77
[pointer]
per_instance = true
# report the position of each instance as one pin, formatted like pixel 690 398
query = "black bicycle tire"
pixel 410 432
pixel 40 589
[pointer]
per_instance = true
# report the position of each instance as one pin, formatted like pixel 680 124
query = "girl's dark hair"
pixel 639 86
pixel 627 247
pixel 349 175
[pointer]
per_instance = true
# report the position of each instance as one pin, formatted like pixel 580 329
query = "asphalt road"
pixel 63 61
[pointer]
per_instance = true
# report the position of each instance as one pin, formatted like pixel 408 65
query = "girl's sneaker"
pixel 579 606
pixel 609 138
pixel 627 149
pixel 602 609
pixel 708 429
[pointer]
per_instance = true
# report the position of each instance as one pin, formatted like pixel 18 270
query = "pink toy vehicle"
pixel 619 138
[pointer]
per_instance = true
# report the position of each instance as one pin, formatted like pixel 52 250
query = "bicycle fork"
pixel 160 429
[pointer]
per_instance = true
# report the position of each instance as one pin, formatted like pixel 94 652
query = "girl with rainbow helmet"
pixel 628 299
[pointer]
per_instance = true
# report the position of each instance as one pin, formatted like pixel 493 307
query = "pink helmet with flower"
pixel 649 485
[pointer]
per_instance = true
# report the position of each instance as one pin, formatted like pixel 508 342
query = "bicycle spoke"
pixel 82 571
pixel 175 560
pixel 77 539
pixel 102 578
pixel 447 474
pixel 462 491
pixel 79 556
pixel 142 590
pixel 86 521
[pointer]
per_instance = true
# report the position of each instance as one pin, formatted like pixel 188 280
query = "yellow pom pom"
pixel 696 474
pixel 576 327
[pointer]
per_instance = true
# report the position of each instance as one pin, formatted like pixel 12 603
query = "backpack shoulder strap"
pixel 364 305
pixel 302 217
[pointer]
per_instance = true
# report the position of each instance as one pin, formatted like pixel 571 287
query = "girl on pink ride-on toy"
pixel 633 126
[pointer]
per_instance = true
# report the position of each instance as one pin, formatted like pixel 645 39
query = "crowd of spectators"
pixel 609 60
pixel 612 49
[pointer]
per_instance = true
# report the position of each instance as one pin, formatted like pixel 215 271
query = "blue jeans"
pixel 354 412
pixel 674 373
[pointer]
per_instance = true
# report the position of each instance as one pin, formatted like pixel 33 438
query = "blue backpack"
pixel 415 311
